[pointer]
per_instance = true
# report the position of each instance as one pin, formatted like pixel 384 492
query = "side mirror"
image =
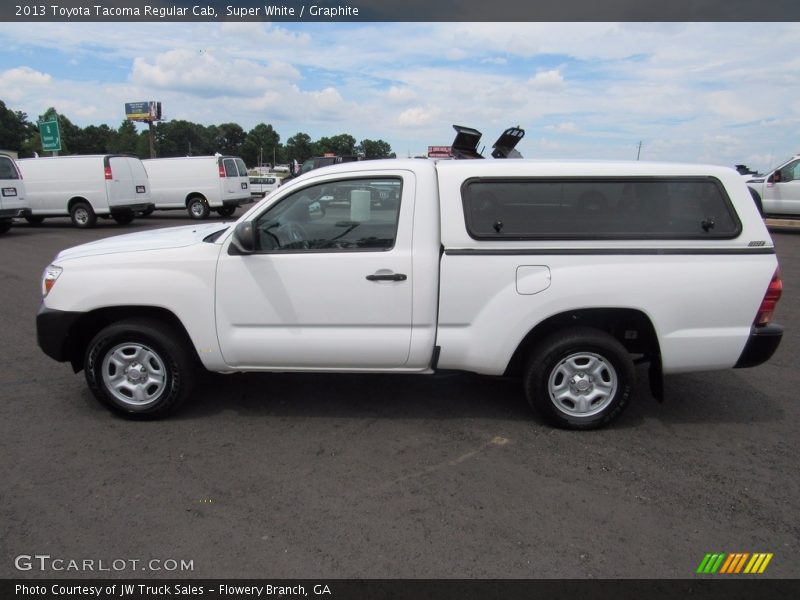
pixel 244 239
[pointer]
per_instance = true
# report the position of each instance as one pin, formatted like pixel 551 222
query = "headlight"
pixel 51 274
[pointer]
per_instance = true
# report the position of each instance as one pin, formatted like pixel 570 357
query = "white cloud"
pixel 418 116
pixel 18 82
pixel 547 80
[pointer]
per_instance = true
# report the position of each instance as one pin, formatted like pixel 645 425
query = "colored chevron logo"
pixel 735 563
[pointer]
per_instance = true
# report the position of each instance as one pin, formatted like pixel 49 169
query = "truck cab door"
pixel 782 190
pixel 327 283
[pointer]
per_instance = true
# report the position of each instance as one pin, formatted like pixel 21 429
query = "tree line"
pixel 261 145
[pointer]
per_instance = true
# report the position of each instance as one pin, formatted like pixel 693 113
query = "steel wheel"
pixel 579 378
pixel 82 215
pixel 134 374
pixel 198 208
pixel 140 368
pixel 582 384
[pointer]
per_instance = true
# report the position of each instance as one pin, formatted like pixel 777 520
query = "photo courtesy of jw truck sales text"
pixel 584 270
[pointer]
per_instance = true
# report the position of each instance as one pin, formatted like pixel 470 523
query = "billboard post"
pixel 145 112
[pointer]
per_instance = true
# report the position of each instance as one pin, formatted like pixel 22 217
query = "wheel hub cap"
pixel 134 374
pixel 582 384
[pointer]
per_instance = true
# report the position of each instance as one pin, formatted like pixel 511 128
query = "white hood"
pixel 153 239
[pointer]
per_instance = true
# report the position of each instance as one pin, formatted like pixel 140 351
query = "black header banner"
pixel 401 10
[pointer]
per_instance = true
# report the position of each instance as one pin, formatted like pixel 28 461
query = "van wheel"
pixel 147 212
pixel 82 215
pixel 35 220
pixel 226 211
pixel 5 225
pixel 580 378
pixel 198 208
pixel 139 368
pixel 124 218
pixel 757 200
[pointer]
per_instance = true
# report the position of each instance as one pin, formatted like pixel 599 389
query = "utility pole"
pixel 639 151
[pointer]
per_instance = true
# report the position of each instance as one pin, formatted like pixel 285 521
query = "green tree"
pixel 14 128
pixel 299 147
pixel 124 139
pixel 92 140
pixel 227 138
pixel 338 144
pixel 261 142
pixel 370 149
pixel 182 138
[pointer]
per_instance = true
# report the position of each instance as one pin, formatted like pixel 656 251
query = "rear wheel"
pixel 198 208
pixel 581 378
pixel 147 211
pixel 5 225
pixel 35 220
pixel 124 218
pixel 139 368
pixel 226 211
pixel 82 215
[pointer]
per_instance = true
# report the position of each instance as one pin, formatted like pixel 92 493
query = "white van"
pixel 199 184
pixel 85 187
pixel 12 193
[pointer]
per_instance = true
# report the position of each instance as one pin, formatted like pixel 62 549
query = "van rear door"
pixel 12 190
pixel 126 181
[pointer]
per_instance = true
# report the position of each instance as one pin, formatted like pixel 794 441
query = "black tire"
pixel 558 363
pixel 226 211
pixel 150 350
pixel 147 211
pixel 35 220
pixel 757 199
pixel 5 225
pixel 198 208
pixel 125 218
pixel 82 215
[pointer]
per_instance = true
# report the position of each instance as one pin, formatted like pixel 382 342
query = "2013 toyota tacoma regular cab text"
pixel 564 274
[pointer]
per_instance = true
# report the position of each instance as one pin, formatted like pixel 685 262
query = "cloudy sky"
pixel 710 92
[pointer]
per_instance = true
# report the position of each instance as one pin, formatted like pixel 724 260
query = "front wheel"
pixel 226 211
pixel 139 368
pixel 82 215
pixel 581 378
pixel 198 208
pixel 35 220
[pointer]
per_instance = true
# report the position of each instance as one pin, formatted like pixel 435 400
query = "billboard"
pixel 440 152
pixel 143 111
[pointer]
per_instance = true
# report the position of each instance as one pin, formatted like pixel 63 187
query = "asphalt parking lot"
pixel 349 476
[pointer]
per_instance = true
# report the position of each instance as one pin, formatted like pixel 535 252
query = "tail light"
pixel 221 169
pixel 770 301
pixel 108 173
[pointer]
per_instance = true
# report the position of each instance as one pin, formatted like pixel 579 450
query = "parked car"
pixel 261 185
pixel 499 267
pixel 12 193
pixel 85 187
pixel 199 184
pixel 778 192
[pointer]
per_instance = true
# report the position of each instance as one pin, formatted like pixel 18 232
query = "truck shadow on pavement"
pixel 695 398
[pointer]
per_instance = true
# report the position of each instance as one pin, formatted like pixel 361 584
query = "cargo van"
pixel 12 193
pixel 85 187
pixel 199 184
pixel 261 185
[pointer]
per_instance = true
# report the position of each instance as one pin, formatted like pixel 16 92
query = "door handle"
pixel 387 277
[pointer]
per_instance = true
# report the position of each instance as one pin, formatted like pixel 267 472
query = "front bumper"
pixel 760 346
pixel 54 332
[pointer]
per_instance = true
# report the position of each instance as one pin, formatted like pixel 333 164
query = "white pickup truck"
pixel 563 274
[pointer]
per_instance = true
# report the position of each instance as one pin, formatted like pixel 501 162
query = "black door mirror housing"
pixel 244 239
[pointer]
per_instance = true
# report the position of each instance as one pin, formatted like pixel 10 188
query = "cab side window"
pixel 791 172
pixel 341 216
